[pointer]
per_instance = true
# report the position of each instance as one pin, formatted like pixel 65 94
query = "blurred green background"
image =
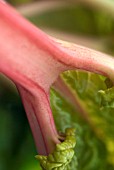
pixel 85 23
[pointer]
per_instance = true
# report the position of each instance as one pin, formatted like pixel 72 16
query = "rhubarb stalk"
pixel 33 61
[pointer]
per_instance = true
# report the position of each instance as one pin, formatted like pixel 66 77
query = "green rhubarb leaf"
pixel 90 151
pixel 95 94
pixel 95 139
pixel 62 155
pixel 107 97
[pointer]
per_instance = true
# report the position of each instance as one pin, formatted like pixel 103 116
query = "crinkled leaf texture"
pixel 94 122
pixel 62 155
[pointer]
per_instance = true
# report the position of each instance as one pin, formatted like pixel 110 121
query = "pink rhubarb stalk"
pixel 33 61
